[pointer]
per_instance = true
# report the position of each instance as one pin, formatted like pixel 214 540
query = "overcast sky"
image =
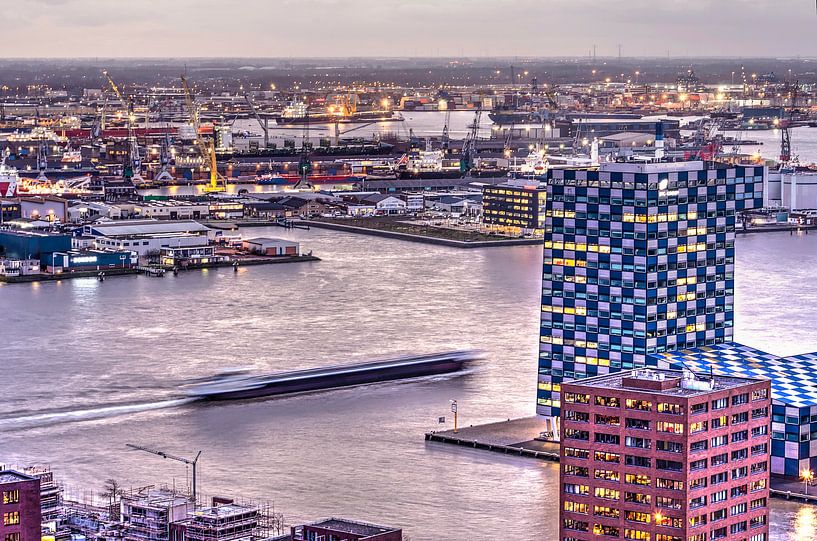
pixel 338 28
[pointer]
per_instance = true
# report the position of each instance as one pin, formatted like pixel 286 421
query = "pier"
pixel 518 437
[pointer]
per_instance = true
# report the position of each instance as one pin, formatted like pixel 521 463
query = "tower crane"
pixel 208 152
pixel 189 461
pixel 134 165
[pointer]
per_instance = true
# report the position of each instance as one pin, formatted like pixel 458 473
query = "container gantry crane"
pixel 208 151
pixel 189 461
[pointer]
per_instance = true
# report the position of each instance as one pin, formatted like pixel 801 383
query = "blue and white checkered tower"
pixel 638 259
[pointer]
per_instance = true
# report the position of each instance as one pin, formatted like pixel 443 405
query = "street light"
pixel 807 476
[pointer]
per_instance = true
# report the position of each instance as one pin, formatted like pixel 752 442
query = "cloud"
pixel 341 28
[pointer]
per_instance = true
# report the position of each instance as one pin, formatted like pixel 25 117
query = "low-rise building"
pixel 189 256
pixel 19 507
pixel 148 237
pixel 147 515
pixel 514 208
pixel 47 207
pixel 85 260
pixel 226 522
pixel 19 267
pixel 341 529
pixel 21 245
pixel 271 246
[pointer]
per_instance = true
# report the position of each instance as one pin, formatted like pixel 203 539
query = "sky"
pixel 354 28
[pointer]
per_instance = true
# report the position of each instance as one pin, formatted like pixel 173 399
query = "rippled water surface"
pixel 97 365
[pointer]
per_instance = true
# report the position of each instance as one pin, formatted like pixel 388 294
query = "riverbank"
pixel 108 272
pixel 396 229
pixel 518 437
pixel 792 229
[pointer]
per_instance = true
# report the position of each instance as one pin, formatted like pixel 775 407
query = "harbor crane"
pixel 133 168
pixel 264 123
pixel 190 462
pixel 208 152
pixel 469 146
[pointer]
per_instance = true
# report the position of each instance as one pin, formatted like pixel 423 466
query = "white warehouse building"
pixel 149 236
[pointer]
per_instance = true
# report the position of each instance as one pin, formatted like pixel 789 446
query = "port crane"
pixel 133 168
pixel 189 461
pixel 469 149
pixel 207 151
pixel 264 123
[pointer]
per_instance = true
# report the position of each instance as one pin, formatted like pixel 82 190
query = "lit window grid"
pixel 706 321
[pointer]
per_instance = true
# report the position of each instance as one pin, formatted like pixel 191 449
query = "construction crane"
pixel 190 462
pixel 134 165
pixel 208 152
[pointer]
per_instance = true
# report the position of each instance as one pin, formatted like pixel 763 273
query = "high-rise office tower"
pixel 638 259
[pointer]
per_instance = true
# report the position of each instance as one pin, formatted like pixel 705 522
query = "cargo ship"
pixel 236 385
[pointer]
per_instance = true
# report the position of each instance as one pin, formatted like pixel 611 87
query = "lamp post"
pixel 807 476
pixel 454 411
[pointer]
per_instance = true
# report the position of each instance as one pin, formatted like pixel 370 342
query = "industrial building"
pixel 19 507
pixel 638 259
pixel 792 189
pixel 515 208
pixel 665 455
pixel 148 236
pixel 271 246
pixel 23 245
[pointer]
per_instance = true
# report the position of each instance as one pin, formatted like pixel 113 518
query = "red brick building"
pixel 19 507
pixel 660 455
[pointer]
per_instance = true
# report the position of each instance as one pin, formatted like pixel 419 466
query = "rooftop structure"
pixel 665 455
pixel 794 395
pixel 349 530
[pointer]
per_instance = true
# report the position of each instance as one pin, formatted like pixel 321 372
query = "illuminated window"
pixel 11 518
pixel 11 496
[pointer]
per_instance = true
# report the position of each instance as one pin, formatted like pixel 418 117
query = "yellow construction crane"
pixel 208 151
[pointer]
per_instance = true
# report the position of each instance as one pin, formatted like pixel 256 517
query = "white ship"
pixel 9 179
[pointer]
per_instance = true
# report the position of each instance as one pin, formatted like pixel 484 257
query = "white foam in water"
pixel 49 418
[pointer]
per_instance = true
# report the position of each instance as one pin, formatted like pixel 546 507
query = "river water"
pixel 91 366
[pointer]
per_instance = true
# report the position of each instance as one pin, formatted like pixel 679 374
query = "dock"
pixel 514 436
pixel 518 437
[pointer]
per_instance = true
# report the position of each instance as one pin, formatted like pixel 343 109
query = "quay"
pixel 518 437
pixel 157 271
pixel 424 238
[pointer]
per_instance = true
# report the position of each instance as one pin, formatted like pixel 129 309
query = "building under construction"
pixel 148 514
pixel 226 522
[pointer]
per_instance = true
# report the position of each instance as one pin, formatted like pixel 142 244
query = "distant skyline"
pixel 415 28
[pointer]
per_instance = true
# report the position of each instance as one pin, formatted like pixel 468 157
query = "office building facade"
pixel 514 208
pixel 661 455
pixel 19 507
pixel 638 259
